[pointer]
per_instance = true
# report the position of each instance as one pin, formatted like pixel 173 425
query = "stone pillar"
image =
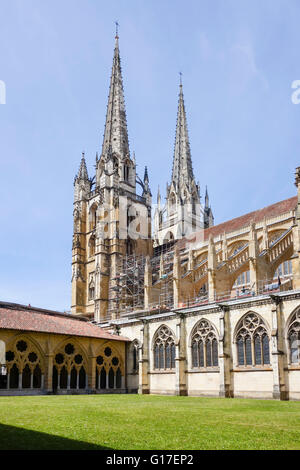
pixel 147 283
pixel 48 372
pixel 180 359
pixel 31 380
pixel 280 391
pixel 144 360
pixel 91 372
pixel 225 390
pixel 69 381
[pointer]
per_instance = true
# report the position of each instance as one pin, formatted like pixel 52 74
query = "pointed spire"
pixel 83 173
pixel 146 177
pixel 206 199
pixel 146 190
pixel 182 161
pixel 115 133
pixel 158 197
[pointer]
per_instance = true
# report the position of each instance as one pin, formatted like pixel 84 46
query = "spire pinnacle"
pixel 117 30
pixel 182 161
pixel 83 173
pixel 115 132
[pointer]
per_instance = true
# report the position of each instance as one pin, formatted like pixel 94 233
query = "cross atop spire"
pixel 115 133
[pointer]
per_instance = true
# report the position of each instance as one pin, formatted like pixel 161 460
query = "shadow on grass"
pixel 13 438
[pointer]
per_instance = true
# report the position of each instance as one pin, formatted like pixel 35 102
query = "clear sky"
pixel 238 59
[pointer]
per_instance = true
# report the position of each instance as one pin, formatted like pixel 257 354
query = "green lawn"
pixel 147 422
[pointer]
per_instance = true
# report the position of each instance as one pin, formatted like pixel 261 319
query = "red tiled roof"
pixel 26 318
pixel 245 220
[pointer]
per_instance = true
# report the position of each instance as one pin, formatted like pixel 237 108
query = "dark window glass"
pixel 240 347
pixel 173 353
pixel 257 349
pixel 156 356
pixel 195 354
pixel 266 349
pixel 208 354
pixel 161 357
pixel 201 353
pixel 248 351
pixel 168 356
pixel 215 352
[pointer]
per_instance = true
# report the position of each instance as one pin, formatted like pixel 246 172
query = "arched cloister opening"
pixel 109 369
pixel 25 365
pixel 70 366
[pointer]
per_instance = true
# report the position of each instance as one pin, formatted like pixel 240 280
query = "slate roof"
pixel 27 318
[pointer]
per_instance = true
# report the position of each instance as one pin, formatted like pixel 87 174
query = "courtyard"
pixel 141 422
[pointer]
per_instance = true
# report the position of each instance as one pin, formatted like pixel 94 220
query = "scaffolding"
pixel 126 289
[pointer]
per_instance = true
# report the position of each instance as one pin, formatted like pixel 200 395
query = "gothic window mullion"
pixel 204 352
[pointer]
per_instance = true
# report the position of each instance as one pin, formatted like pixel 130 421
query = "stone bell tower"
pixel 110 219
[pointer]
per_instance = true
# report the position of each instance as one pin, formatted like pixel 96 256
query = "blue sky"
pixel 238 59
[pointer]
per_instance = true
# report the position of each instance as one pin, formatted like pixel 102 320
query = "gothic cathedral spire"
pixel 115 134
pixel 182 172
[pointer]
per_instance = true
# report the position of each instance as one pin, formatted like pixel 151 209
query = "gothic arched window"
pixel 294 338
pixel 204 345
pixel 252 341
pixel 164 349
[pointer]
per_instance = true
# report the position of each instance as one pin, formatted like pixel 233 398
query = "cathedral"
pixel 163 301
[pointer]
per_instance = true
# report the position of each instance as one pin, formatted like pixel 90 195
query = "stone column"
pixel 225 390
pixel 180 360
pixel 144 360
pixel 280 391
pixel 91 372
pixel 48 372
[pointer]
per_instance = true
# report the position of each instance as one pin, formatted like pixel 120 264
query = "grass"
pixel 147 422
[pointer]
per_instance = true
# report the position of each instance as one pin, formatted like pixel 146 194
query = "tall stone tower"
pixel 110 219
pixel 183 212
